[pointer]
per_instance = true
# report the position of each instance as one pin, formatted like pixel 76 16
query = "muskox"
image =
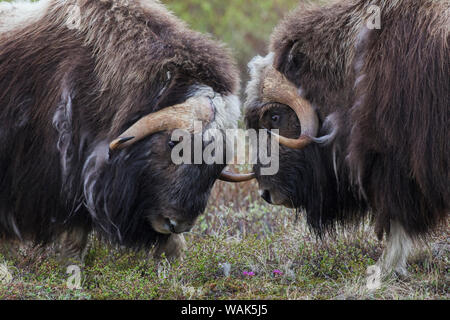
pixel 363 116
pixel 90 92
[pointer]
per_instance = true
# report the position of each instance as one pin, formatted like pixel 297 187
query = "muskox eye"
pixel 275 118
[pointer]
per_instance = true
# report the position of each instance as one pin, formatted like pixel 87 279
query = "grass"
pixel 244 236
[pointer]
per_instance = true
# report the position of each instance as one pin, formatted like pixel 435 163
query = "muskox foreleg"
pixel 398 248
pixel 173 248
pixel 73 245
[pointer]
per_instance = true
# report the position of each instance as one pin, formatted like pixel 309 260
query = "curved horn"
pixel 276 88
pixel 181 116
pixel 228 176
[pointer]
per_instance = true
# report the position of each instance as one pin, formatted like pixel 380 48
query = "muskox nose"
pixel 265 194
pixel 178 227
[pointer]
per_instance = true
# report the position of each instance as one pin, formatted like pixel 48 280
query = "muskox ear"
pixel 292 62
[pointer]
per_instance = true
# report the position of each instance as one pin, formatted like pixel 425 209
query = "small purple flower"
pixel 277 272
pixel 249 274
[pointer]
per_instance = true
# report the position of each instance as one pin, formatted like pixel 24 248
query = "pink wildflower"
pixel 277 272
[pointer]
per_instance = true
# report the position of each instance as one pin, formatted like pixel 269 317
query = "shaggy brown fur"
pixel 70 83
pixel 383 100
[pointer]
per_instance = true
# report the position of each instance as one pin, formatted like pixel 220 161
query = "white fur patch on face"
pixel 19 14
pixel 257 67
pixel 227 108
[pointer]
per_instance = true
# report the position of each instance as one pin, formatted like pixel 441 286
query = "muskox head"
pixel 169 195
pixel 132 184
pixel 275 104
pixel 308 160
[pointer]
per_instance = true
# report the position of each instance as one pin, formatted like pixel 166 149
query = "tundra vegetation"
pixel 241 248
